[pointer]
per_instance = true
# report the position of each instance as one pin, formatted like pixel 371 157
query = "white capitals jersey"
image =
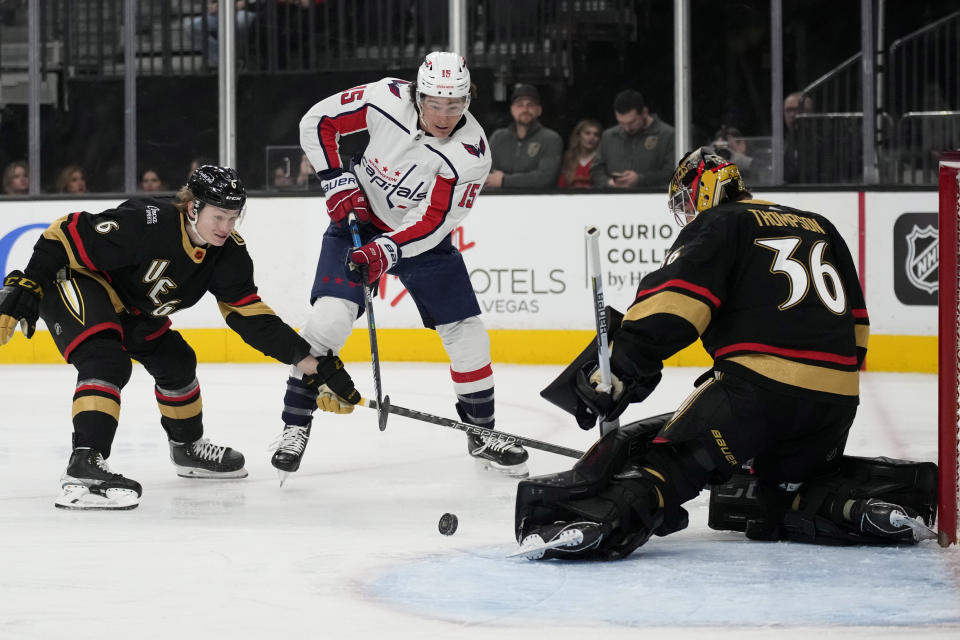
pixel 418 187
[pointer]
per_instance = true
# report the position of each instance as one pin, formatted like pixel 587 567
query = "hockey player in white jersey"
pixel 418 178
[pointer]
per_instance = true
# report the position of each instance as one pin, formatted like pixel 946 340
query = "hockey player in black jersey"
pixel 106 284
pixel 773 295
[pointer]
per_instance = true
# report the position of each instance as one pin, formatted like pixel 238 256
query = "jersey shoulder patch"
pixel 237 238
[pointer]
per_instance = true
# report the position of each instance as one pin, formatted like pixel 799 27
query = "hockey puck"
pixel 448 524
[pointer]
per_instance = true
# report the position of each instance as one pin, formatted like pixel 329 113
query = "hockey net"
pixel 949 346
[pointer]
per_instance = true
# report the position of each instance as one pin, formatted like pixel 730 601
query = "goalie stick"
pixel 600 316
pixel 472 429
pixel 383 404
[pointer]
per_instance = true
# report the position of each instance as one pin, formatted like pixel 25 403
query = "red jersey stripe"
pixel 789 353
pixel 343 124
pixel 78 243
pixel 683 284
pixel 242 301
pixel 441 201
pixel 859 313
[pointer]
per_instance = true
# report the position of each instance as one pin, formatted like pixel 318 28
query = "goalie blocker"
pixel 602 489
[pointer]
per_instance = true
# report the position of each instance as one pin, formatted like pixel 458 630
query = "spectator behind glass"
pixel 207 26
pixel 16 179
pixel 150 181
pixel 575 169
pixel 198 162
pixel 638 151
pixel 525 154
pixel 73 179
pixel 793 105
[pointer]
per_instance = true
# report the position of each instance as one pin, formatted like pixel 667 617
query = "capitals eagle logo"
pixel 476 149
pixel 395 85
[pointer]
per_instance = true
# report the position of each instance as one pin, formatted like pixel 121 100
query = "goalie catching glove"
pixel 19 303
pixel 343 195
pixel 372 260
pixel 336 391
pixel 608 405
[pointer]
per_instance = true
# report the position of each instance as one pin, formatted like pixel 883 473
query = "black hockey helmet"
pixel 219 186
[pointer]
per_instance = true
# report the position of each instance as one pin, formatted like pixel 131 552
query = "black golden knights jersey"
pixel 140 252
pixel 771 291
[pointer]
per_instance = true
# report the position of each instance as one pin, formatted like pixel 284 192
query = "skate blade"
pixel 283 476
pixel 79 498
pixel 921 531
pixel 204 474
pixel 533 546
pixel 519 471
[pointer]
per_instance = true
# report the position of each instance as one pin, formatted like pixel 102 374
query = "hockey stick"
pixel 383 403
pixel 472 429
pixel 600 315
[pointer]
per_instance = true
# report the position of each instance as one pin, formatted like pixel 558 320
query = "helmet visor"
pixel 446 107
pixel 681 206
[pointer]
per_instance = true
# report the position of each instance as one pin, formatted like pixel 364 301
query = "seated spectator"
pixel 281 179
pixel 793 105
pixel 525 154
pixel 16 179
pixel 198 162
pixel 307 177
pixel 638 150
pixel 202 31
pixel 150 181
pixel 73 179
pixel 729 143
pixel 575 169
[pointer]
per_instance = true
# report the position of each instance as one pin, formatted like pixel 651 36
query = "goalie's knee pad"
pixel 822 510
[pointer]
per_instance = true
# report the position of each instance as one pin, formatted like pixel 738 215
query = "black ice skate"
pixel 504 456
pixel 881 519
pixel 571 540
pixel 88 483
pixel 289 449
pixel 203 459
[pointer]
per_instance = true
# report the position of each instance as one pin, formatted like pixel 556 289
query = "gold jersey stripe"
pixel 181 412
pixel 805 376
pixel 97 403
pixel 863 335
pixel 255 309
pixel 690 309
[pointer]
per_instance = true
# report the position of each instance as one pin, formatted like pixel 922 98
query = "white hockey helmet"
pixel 444 74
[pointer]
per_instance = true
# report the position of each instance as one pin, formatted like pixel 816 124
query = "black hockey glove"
pixel 332 375
pixel 19 303
pixel 593 404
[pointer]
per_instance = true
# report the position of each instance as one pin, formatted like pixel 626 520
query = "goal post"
pixel 949 348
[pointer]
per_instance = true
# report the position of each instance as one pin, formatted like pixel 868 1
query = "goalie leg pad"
pixel 817 514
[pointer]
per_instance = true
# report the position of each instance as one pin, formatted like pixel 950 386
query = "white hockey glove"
pixel 343 195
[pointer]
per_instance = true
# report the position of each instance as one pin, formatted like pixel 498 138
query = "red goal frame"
pixel 949 356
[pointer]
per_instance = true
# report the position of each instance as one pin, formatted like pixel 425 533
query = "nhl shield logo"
pixel 922 262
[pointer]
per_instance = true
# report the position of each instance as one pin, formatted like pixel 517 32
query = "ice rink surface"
pixel 349 548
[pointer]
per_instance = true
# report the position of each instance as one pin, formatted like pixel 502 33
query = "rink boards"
pixel 527 262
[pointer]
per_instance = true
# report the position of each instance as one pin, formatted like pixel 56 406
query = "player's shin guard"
pixel 299 403
pixel 103 369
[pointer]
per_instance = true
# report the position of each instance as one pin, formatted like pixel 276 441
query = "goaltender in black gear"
pixel 106 284
pixel 774 296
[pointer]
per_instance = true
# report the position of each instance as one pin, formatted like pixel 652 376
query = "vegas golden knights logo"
pixel 72 299
pixel 161 285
